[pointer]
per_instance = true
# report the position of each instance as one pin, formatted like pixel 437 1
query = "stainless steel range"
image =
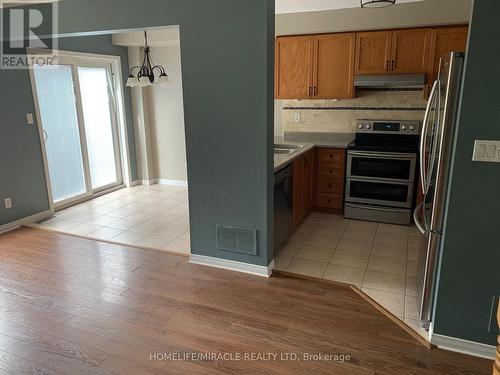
pixel 381 171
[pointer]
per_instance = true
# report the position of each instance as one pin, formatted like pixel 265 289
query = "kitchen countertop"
pixel 309 141
pixel 324 140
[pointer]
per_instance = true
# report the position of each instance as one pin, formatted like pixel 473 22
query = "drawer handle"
pixel 329 201
pixel 330 186
pixel 331 171
pixel 331 156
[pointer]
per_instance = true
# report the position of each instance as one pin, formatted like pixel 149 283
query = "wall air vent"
pixel 237 240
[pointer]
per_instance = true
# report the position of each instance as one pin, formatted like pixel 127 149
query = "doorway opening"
pixel 86 112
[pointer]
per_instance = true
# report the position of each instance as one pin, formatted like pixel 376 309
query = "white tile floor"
pixel 154 217
pixel 380 259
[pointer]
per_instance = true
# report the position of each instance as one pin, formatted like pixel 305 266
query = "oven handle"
pixel 377 208
pixel 423 138
pixel 383 155
pixel 382 180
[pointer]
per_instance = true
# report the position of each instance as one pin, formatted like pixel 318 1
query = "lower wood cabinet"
pixel 318 181
pixel 330 179
pixel 303 183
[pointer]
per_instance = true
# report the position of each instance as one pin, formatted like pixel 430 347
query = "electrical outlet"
pixel 29 119
pixel 8 203
pixel 298 117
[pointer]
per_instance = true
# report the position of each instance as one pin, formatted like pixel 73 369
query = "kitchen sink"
pixel 286 149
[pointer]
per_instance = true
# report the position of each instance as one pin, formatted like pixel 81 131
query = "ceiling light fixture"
pixel 377 3
pixel 146 74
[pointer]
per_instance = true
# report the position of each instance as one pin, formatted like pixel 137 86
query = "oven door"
pixel 381 165
pixel 381 193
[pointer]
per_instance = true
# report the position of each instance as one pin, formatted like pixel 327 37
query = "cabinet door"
pixel 293 70
pixel 298 195
pixel 443 41
pixel 334 66
pixel 308 182
pixel 410 50
pixel 373 52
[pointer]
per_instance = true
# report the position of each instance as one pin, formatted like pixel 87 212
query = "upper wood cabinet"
pixel 294 67
pixel 319 67
pixel 323 66
pixel 373 52
pixel 398 51
pixel 410 50
pixel 445 40
pixel 333 64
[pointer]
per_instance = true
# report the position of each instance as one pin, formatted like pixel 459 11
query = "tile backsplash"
pixel 340 116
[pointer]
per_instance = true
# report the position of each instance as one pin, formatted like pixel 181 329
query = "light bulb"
pixel 132 82
pixel 162 80
pixel 144 81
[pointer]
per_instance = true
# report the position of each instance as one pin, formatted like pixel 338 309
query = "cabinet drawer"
pixel 336 156
pixel 331 170
pixel 333 186
pixel 335 201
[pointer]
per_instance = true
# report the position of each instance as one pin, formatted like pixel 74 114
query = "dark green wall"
pixel 21 165
pixel 470 274
pixel 227 68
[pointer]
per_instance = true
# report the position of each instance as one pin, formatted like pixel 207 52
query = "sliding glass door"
pixel 61 131
pixel 97 106
pixel 77 111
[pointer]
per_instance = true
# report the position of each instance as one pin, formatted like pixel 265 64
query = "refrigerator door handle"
pixel 416 219
pixel 423 138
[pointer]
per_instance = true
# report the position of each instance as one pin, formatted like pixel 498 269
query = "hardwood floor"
pixel 75 306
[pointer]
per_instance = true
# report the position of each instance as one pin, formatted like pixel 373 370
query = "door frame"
pixel 121 125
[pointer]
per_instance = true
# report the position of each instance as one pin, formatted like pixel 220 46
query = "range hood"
pixel 390 80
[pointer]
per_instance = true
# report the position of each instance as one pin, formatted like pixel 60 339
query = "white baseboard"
pixel 136 183
pixel 25 221
pixel 160 182
pixel 454 344
pixel 171 182
pixel 232 265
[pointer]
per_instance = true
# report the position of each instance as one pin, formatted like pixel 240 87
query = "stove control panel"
pixel 388 127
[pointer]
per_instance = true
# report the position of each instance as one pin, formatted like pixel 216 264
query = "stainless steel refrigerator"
pixel 436 147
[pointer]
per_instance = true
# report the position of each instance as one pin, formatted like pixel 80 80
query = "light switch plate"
pixel 29 119
pixel 7 202
pixel 487 151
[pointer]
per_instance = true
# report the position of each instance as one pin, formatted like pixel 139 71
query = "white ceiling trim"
pixel 301 6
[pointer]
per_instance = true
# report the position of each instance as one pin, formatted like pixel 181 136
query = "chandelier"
pixel 146 73
pixel 377 3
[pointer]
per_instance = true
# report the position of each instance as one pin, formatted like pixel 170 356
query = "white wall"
pixel 166 112
pixel 159 120
pixel 422 13
pixel 141 124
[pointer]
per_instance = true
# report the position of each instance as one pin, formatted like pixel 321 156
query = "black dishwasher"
pixel 283 205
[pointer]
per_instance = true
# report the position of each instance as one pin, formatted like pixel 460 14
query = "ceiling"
pixel 299 6
pixel 157 37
